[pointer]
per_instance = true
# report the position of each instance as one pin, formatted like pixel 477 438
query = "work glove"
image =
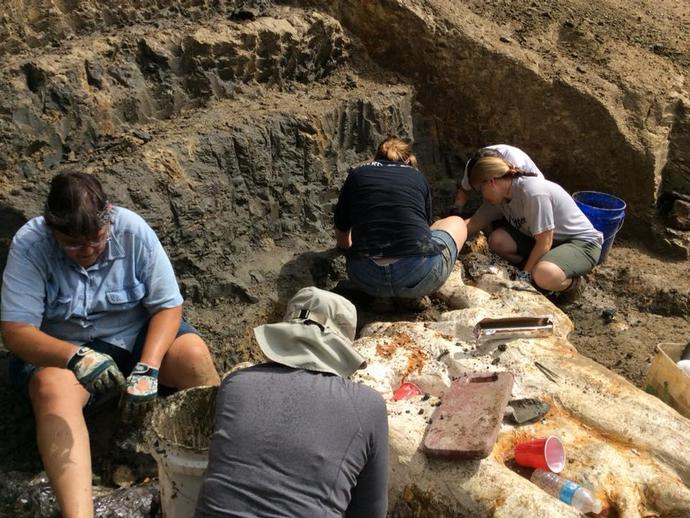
pixel 97 372
pixel 522 275
pixel 141 392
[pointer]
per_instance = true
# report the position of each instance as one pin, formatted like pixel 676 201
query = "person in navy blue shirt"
pixel 383 219
pixel 91 310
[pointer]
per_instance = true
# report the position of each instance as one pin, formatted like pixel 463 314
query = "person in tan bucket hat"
pixel 292 436
pixel 316 334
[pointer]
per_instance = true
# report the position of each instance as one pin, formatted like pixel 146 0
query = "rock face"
pixel 598 96
pixel 680 215
pixel 70 106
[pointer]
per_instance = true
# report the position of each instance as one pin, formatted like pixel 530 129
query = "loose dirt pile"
pixel 631 303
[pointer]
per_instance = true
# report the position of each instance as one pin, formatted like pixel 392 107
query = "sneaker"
pixel 572 292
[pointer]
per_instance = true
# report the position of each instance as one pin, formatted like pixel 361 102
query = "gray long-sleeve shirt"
pixel 290 442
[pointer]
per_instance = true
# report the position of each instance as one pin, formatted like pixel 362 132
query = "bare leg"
pixel 501 243
pixel 63 440
pixel 455 226
pixel 549 276
pixel 188 364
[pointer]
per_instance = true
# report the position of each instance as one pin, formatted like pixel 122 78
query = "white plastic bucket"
pixel 178 439
pixel 179 476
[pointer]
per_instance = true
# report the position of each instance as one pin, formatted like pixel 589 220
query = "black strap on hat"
pixel 306 316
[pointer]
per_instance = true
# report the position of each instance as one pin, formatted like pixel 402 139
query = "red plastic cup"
pixel 406 390
pixel 546 453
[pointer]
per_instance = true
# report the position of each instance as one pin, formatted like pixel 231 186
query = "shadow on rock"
pixel 321 269
pixel 18 450
pixel 326 270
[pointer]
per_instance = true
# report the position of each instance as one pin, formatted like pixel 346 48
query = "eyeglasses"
pixel 88 244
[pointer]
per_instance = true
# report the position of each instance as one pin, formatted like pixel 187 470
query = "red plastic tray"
pixel 466 423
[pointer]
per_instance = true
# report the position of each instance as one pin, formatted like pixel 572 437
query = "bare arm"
pixel 473 226
pixel 543 243
pixel 343 239
pixel 161 333
pixel 34 346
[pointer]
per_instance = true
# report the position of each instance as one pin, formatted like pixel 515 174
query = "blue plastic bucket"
pixel 606 212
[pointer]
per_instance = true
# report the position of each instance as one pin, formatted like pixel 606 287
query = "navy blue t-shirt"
pixel 387 206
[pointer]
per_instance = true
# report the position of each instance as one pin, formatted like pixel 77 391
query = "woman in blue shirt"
pixel 91 308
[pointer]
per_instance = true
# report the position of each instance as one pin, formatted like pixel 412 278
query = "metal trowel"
pixel 527 410
pixel 513 327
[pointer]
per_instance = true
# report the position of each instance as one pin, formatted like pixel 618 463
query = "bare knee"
pixel 500 242
pixel 455 226
pixel 494 241
pixel 188 363
pixel 548 276
pixel 51 386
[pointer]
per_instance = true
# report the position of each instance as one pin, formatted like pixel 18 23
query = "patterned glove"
pixel 522 275
pixel 97 372
pixel 142 389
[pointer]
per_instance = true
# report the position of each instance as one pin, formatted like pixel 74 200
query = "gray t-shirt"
pixel 538 205
pixel 291 442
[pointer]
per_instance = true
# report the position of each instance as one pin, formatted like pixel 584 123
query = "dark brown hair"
pixel 76 205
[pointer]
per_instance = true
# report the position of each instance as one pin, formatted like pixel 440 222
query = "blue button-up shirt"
pixel 111 300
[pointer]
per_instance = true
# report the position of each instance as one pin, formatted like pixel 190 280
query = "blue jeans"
pixel 409 277
pixel 21 372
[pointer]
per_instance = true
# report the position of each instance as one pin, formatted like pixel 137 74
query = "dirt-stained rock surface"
pixel 613 433
pixel 229 126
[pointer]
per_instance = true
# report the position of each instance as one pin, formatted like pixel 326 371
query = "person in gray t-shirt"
pixel 548 235
pixel 293 437
pixel 487 213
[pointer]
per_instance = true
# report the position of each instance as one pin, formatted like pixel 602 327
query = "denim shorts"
pixel 20 372
pixel 409 277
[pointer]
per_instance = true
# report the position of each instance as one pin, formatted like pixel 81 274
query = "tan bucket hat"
pixel 316 334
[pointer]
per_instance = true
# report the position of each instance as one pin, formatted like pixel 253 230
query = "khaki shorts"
pixel 575 258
